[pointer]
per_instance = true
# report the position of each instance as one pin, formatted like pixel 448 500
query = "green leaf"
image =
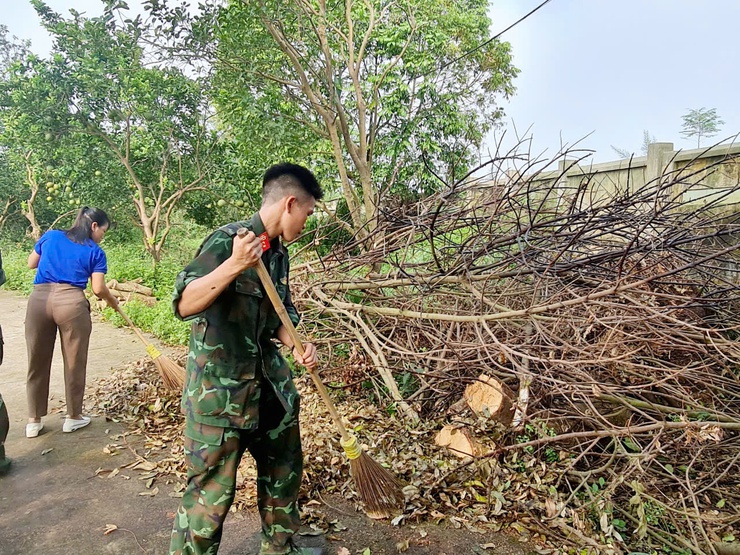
pixel 631 445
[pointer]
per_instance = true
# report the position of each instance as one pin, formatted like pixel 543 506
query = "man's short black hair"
pixel 286 178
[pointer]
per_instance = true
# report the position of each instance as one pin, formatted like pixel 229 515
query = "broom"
pixel 172 374
pixel 378 488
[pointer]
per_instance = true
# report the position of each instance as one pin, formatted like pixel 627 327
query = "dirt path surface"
pixel 53 503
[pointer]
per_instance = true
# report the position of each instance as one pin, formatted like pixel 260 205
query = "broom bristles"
pixel 379 490
pixel 172 374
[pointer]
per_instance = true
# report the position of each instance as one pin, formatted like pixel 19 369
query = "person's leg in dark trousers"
pixel 41 333
pixel 4 426
pixel 71 311
pixel 4 421
pixel 277 451
pixel 213 455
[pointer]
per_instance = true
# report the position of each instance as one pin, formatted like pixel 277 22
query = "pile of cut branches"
pixel 609 315
pixel 611 312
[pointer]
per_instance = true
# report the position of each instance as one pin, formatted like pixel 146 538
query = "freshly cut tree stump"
pixel 490 398
pixel 727 548
pixel 460 441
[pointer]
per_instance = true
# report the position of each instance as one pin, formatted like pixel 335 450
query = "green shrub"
pixel 15 263
pixel 129 261
pixel 157 319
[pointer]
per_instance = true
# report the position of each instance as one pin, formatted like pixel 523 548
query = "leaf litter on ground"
pixel 486 496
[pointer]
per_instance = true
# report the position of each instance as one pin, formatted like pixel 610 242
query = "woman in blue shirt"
pixel 65 261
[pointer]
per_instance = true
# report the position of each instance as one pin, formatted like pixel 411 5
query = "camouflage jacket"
pixel 232 354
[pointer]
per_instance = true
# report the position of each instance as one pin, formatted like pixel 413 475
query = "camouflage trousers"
pixel 4 426
pixel 213 454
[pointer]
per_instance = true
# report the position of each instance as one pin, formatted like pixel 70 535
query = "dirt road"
pixel 52 502
pixel 55 502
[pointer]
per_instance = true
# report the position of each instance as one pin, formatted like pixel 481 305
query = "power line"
pixel 493 38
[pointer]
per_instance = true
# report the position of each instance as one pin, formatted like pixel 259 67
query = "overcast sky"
pixel 595 71
pixel 611 69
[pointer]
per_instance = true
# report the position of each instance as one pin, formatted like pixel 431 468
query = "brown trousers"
pixel 54 306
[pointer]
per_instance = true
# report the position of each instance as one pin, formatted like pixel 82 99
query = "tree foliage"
pixel 701 123
pixel 12 49
pixel 647 140
pixel 102 118
pixel 395 96
pixel 386 100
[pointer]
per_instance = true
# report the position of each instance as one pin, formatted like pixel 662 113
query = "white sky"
pixel 598 70
pixel 614 68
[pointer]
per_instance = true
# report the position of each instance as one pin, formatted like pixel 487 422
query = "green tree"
pixel 12 50
pixel 701 123
pixel 9 190
pixel 382 90
pixel 55 167
pixel 105 116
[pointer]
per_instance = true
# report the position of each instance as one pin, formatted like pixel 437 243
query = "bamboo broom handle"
pixel 131 325
pixel 285 319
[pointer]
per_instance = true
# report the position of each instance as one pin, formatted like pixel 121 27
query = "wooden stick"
pixel 132 325
pixel 377 487
pixel 171 373
pixel 285 319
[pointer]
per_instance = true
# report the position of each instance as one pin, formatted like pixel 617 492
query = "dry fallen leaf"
pixel 142 465
pixel 109 528
pixel 150 493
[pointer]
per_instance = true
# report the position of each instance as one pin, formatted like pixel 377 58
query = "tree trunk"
pixel 490 398
pixel 130 286
pixel 28 211
pixel 148 230
pixel 460 441
pixel 130 295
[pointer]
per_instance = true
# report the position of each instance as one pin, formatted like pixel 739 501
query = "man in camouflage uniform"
pixel 4 420
pixel 239 394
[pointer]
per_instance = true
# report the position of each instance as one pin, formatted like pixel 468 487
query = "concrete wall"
pixel 700 174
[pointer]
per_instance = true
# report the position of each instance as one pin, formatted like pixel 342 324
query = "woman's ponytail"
pixel 81 230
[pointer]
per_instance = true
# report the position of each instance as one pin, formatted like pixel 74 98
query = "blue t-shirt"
pixel 64 261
